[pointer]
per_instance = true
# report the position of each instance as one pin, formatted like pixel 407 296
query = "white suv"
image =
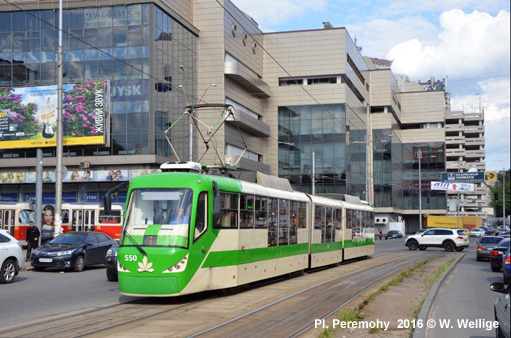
pixel 449 239
pixel 11 257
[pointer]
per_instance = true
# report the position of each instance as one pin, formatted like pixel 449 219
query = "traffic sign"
pixel 452 186
pixel 466 177
pixel 490 176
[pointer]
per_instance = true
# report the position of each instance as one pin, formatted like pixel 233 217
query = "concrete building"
pixel 308 105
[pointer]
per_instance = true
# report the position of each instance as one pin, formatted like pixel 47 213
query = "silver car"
pixel 11 257
pixel 477 232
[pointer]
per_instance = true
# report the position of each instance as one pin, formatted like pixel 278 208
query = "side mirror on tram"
pixel 107 204
pixel 216 191
pixel 217 199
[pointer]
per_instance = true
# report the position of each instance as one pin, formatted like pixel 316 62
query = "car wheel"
pixel 495 268
pixel 39 268
pixel 7 271
pixel 460 249
pixel 448 246
pixel 422 247
pixel 79 264
pixel 111 276
pixel 413 245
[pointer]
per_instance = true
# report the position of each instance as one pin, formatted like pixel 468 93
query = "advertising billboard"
pixel 452 186
pixel 28 115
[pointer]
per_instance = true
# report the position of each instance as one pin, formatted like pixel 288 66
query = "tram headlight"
pixel 179 266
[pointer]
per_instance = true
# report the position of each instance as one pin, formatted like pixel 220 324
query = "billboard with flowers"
pixel 28 115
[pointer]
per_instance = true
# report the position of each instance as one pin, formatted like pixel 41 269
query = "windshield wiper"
pixel 139 248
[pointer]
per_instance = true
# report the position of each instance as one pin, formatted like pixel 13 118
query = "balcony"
pixel 474 117
pixel 455 152
pixel 474 129
pixel 475 153
pixel 246 78
pixel 479 141
pixel 480 166
pixel 455 140
pixel 248 123
pixel 454 115
pixel 247 165
pixel 454 166
pixel 454 127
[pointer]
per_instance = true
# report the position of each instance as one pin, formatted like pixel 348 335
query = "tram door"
pixel 7 221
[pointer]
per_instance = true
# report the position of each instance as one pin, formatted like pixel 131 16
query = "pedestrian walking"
pixel 32 239
pixel 380 233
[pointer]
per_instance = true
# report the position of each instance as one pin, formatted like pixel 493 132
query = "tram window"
pixel 12 217
pixel 293 221
pixel 201 218
pixel 246 211
pixel 261 212
pixel 65 216
pixel 329 225
pixel 87 217
pixel 228 218
pixel 80 221
pixel 113 218
pixel 272 221
pixel 93 217
pixel 26 216
pixel 302 215
pixel 349 219
pixel 283 222
pixel 1 219
pixel 318 217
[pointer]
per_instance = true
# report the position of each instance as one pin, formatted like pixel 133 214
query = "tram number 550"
pixel 130 258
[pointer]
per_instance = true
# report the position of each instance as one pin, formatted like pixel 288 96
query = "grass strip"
pixel 356 314
pixel 430 282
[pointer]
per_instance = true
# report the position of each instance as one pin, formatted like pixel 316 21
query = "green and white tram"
pixel 186 232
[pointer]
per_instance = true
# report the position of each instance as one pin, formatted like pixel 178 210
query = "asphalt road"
pixel 34 295
pixel 465 296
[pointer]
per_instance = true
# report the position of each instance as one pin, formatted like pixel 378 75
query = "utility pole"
pixel 60 66
pixel 504 197
pixel 313 173
pixel 420 189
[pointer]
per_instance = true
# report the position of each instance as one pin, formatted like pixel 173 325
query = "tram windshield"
pixel 159 217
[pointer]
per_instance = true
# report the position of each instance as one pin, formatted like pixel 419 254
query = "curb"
pixel 428 301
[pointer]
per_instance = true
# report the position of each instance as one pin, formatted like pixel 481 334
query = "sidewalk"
pixel 26 265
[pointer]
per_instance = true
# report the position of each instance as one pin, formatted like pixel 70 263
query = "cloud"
pixel 379 36
pixel 274 12
pixel 475 43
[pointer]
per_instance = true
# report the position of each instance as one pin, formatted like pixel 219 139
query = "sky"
pixel 467 41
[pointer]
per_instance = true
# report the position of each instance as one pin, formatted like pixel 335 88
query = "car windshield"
pixel 71 239
pixel 490 240
pixel 158 217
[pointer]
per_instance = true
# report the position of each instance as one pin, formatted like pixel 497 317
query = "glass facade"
pixel 139 48
pixel 432 164
pixel 322 130
pixel 383 174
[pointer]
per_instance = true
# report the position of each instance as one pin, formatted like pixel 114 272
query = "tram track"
pixel 289 322
pixel 122 319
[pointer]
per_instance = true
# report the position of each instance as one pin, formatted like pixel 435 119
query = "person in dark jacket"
pixel 32 239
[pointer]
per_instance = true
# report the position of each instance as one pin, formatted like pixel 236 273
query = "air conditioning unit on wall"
pixel 377 220
pixel 84 165
pixel 384 220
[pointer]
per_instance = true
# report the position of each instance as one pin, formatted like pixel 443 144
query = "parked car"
pixel 111 264
pixel 72 250
pixel 488 231
pixel 394 234
pixel 502 232
pixel 506 265
pixel 485 245
pixel 477 232
pixel 497 253
pixel 502 309
pixel 11 257
pixel 449 239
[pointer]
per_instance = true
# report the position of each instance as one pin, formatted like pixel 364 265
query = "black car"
pixel 497 253
pixel 111 264
pixel 72 250
pixel 393 234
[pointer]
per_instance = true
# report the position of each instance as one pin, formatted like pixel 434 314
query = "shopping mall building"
pixel 297 95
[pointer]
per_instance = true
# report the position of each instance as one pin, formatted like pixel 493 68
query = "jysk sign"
pixel 466 177
pixel 28 115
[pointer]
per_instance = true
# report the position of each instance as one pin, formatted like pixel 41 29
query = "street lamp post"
pixel 58 181
pixel 420 189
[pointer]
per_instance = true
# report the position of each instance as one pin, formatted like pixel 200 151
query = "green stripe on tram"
pixel 350 243
pixel 325 247
pixel 236 257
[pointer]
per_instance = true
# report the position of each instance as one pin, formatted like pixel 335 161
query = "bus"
pixel 187 231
